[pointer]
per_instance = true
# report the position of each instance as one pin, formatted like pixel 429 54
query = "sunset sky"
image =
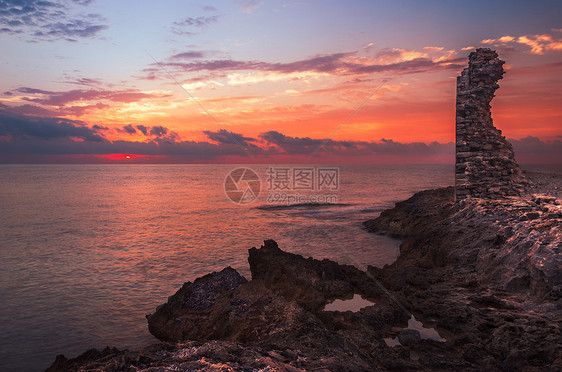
pixel 269 81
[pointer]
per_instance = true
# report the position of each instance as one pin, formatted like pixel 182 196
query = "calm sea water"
pixel 86 251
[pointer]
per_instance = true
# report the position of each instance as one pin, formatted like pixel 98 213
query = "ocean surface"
pixel 86 251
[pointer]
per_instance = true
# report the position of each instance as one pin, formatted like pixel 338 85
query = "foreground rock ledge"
pixel 487 280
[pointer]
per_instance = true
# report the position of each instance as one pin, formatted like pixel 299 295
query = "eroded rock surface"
pixel 276 321
pixel 489 272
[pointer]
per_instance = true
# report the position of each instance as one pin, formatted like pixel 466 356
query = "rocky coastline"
pixel 477 285
pixel 485 274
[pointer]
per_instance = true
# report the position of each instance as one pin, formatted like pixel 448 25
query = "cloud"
pixel 188 25
pixel 144 129
pixel 84 81
pixel 188 55
pixel 28 110
pixel 74 28
pixel 48 20
pixel 248 6
pixel 225 137
pixel 343 64
pixel 197 22
pixel 309 146
pixel 19 126
pixel 24 135
pixel 129 129
pixel 158 131
pixel 81 96
pixel 538 44
pixel 534 146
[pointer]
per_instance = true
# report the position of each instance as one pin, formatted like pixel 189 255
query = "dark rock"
pixel 408 336
pixel 61 363
pixel 482 275
pixel 309 282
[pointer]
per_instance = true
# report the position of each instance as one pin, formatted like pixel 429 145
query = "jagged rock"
pixel 408 336
pixel 309 282
pixel 485 162
pixel 210 356
pixel 481 273
pixel 61 363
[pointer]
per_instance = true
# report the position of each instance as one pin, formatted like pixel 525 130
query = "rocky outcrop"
pixel 489 271
pixel 485 162
pixel 281 309
pixel 277 320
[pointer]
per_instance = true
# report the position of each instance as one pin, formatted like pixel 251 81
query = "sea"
pixel 87 251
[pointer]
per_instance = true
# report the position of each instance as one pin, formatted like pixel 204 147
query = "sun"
pixel 127 156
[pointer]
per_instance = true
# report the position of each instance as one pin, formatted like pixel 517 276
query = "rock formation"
pixel 276 321
pixel 485 162
pixel 487 271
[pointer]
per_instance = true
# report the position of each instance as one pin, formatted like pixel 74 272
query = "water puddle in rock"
pixel 425 333
pixel 355 304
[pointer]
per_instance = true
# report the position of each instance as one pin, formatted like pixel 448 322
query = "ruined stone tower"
pixel 485 163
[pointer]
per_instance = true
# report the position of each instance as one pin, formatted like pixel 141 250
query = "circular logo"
pixel 242 185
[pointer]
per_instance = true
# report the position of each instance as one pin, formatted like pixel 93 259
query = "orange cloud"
pixel 538 44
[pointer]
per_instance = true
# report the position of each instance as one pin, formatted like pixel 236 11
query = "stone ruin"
pixel 485 164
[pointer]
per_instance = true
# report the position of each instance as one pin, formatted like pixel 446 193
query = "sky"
pixel 250 81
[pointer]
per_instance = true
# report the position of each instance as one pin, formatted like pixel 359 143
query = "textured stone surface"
pixel 485 162
pixel 487 271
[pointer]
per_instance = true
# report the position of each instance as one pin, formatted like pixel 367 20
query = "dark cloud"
pixel 158 131
pixel 208 8
pixel 187 25
pixel 143 129
pixel 36 135
pixel 188 55
pixel 292 145
pixel 51 98
pixel 129 129
pixel 28 110
pixel 47 20
pixel 83 2
pixel 181 32
pixel 9 31
pixel 75 28
pixel 306 145
pixel 84 81
pixel 24 135
pixel 226 137
pixel 197 22
pixel 534 146
pixel 19 126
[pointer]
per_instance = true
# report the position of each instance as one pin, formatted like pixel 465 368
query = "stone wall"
pixel 485 163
